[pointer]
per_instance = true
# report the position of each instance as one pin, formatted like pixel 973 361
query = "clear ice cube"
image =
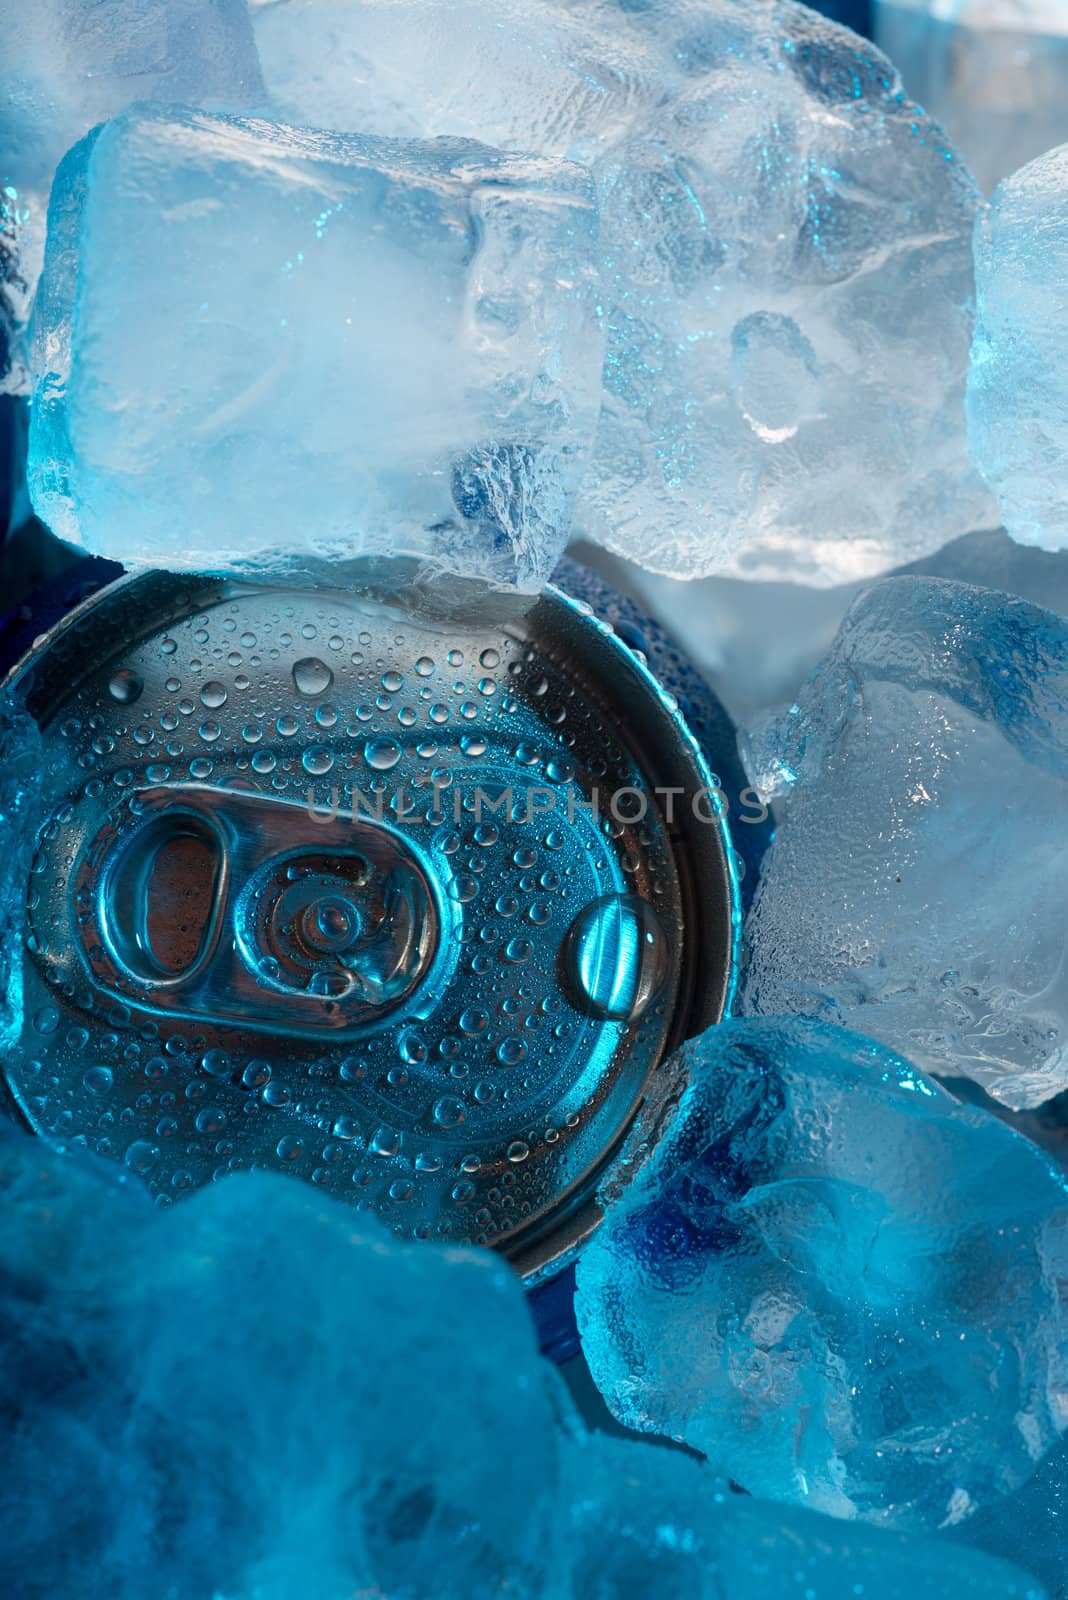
pixel 994 73
pixel 260 347
pixel 68 64
pixel 1018 384
pixel 842 1286
pixel 786 246
pixel 916 885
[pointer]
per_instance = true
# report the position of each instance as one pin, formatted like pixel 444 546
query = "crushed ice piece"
pixel 654 1522
pixel 259 347
pixel 1017 388
pixel 841 1285
pixel 993 72
pixel 67 65
pixel 258 1393
pixel 916 885
pixel 786 242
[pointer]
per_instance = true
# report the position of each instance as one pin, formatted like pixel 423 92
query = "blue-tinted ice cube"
pixel 916 886
pixel 844 1287
pixel 786 242
pixel 258 1393
pixel 1018 385
pixel 653 1522
pixel 262 347
pixel 69 64
pixel 994 73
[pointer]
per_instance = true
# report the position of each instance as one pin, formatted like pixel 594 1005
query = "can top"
pixel 414 909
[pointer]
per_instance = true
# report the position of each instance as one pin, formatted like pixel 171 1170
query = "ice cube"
pixel 262 347
pixel 841 1285
pixel 69 64
pixel 917 880
pixel 993 72
pixel 1030 1525
pixel 786 242
pixel 653 1522
pixel 259 1393
pixel 758 642
pixel 1017 389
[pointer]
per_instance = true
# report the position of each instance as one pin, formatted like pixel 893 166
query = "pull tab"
pixel 232 907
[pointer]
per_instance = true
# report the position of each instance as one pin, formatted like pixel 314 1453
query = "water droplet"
pixel 213 695
pixel 141 1155
pixel 216 1063
pixel 46 1020
pixel 312 676
pixel 616 957
pixel 510 1052
pixel 448 1112
pixel 517 1151
pixel 381 754
pixel 386 1142
pixel 289 1147
pixel 98 1080
pixel 424 667
pixel 346 1128
pixel 126 686
pixel 411 1049
pixel 318 760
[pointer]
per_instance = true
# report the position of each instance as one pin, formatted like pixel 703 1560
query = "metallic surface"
pixel 415 910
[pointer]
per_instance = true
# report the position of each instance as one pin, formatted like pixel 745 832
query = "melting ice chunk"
pixel 653 1522
pixel 372 1416
pixel 841 1285
pixel 994 72
pixel 786 242
pixel 257 346
pixel 1018 385
pixel 69 64
pixel 917 883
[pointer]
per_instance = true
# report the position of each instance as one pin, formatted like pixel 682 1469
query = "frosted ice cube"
pixel 261 347
pixel 786 243
pixel 653 1522
pixel 994 73
pixel 259 1393
pixel 69 64
pixel 916 885
pixel 842 1286
pixel 1018 385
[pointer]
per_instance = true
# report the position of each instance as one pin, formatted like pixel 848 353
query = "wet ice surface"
pixel 1017 390
pixel 758 642
pixel 258 1394
pixel 837 1282
pixel 68 64
pixel 310 347
pixel 654 1523
pixel 778 397
pixel 916 884
pixel 993 72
